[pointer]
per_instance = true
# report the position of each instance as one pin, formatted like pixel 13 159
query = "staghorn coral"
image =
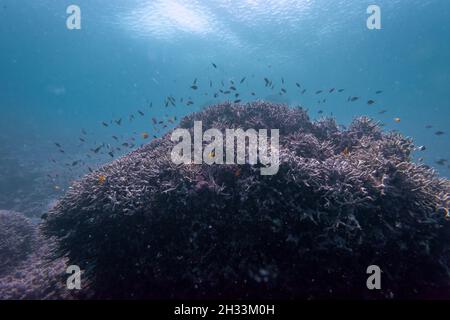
pixel 27 270
pixel 17 239
pixel 343 199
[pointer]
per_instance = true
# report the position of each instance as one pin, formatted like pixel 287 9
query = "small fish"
pixel 154 121
pixel 441 162
pixel 83 132
pixel 421 148
pixel 428 126
pixel 96 150
pixel 398 120
pixel 145 135
pixel 58 145
pixel 283 90
pixel 101 179
pixel 370 102
pixel 233 88
pixel 74 163
pixel 439 133
pixel 253 94
pixel 214 65
pixel 237 101
pixel 111 154
pixel 118 122
pixel 243 79
pixel 320 112
pixel 115 138
pixel 382 112
pixel 319 92
pixel 379 92
pixel 194 87
pixel 332 90
pixel 298 84
pixel 341 90
pixel 104 124
pixel 353 99
pixel 304 90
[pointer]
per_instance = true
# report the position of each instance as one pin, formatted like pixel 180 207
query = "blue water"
pixel 54 82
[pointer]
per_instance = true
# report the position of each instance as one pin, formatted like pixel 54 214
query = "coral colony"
pixel 213 152
pixel 342 199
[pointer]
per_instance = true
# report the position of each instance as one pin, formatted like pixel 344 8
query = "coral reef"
pixel 17 239
pixel 27 272
pixel 343 199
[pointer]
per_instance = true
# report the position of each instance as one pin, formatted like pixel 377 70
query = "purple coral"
pixel 343 199
pixel 17 239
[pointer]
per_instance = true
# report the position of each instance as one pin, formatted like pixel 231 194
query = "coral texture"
pixel 17 239
pixel 343 199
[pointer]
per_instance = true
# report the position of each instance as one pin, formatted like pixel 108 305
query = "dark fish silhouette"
pixel 118 122
pixel 243 79
pixel 96 150
pixel 111 154
pixel 382 112
pixel 298 84
pixel 104 124
pixel 429 126
pixel 439 133
pixel 237 101
pixel 353 99
pixel 370 102
pixel 379 91
pixel 233 88
pixel 57 144
pixel 332 90
pixel 341 90
pixel 194 87
pixel 214 65
pixel 141 113
pixel 319 92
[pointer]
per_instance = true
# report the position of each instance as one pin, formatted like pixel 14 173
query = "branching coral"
pixel 343 199
pixel 17 239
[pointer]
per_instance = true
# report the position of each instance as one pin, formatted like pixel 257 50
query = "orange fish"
pixel 145 135
pixel 346 152
pixel 101 179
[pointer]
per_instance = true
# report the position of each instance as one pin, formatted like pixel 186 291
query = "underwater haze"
pixel 73 100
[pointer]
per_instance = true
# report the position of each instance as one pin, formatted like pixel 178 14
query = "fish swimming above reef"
pixel 340 194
